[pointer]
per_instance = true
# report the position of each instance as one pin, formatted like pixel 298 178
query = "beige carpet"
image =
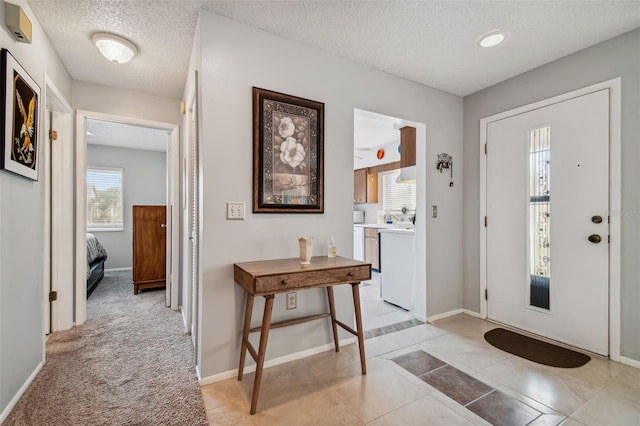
pixel 130 363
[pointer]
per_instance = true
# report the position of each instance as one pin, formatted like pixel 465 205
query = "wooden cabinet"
pixel 407 146
pixel 149 247
pixel 365 187
pixel 371 247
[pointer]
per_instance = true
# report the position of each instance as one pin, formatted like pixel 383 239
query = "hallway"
pixel 130 363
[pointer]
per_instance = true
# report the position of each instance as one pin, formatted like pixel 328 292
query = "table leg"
pixel 355 287
pixel 248 309
pixel 264 335
pixel 332 309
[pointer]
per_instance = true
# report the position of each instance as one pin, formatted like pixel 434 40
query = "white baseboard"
pixel 118 269
pixel 272 362
pixel 444 315
pixel 471 313
pixel 452 313
pixel 628 361
pixel 5 413
pixel 419 317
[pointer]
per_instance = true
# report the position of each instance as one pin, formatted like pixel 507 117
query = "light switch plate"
pixel 434 211
pixel 235 210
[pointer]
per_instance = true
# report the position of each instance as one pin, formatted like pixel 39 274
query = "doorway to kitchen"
pixel 386 193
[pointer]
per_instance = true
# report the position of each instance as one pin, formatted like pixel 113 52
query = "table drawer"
pixel 285 282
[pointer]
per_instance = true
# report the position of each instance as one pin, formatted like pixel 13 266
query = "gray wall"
pixel 618 57
pixel 234 57
pixel 145 183
pixel 21 230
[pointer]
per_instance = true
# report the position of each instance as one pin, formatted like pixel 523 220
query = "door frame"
pixel 615 184
pixel 189 293
pixel 59 316
pixel 173 225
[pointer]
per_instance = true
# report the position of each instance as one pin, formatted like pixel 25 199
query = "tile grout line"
pixel 480 397
pixel 531 422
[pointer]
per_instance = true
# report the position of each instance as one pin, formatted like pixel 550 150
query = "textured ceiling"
pixel 126 136
pixel 430 42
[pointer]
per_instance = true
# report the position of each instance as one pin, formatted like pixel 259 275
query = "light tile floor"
pixel 328 389
pixel 375 311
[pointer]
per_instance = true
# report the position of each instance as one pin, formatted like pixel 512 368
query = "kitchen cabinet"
pixel 407 146
pixel 365 187
pixel 371 247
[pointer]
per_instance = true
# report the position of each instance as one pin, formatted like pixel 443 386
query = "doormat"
pixel 535 350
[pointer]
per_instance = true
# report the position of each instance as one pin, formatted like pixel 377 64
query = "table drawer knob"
pixel 283 282
pixel 350 274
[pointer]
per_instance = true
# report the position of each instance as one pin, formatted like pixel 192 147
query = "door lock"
pixel 594 238
pixel 596 219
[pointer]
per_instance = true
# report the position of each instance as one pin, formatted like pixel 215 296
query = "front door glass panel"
pixel 539 217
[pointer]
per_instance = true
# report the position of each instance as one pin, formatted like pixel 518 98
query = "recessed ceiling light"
pixel 116 49
pixel 492 38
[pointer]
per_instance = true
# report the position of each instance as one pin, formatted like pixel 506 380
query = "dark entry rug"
pixel 535 350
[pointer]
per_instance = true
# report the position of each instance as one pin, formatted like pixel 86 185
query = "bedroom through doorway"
pixel 126 167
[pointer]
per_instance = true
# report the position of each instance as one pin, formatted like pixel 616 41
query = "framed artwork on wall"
pixel 20 125
pixel 288 153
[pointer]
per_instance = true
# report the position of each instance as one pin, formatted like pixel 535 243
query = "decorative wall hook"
pixel 445 161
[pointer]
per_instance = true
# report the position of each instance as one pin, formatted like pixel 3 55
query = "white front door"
pixel 547 251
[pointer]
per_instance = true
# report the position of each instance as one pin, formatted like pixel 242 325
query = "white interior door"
pixel 547 184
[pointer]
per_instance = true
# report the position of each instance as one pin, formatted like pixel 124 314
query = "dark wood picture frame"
pixel 19 126
pixel 288 153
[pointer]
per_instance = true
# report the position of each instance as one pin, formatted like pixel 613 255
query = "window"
pixel 539 216
pixel 396 195
pixel 104 199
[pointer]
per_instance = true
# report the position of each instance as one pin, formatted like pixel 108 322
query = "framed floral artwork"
pixel 288 143
pixel 19 127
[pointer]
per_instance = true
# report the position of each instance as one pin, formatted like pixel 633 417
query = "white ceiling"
pixel 430 42
pixel 126 136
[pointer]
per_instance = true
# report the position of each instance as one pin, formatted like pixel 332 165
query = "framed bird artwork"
pixel 20 125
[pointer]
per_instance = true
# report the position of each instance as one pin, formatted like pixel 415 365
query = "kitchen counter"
pixel 406 225
pixel 409 231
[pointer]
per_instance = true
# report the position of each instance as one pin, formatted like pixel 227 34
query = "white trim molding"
pixel 173 177
pixel 118 269
pixel 437 317
pixel 615 190
pixel 276 361
pixel 630 362
pixel 18 395
pixel 471 313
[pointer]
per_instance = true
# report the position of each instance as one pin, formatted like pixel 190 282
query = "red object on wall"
pixel 380 154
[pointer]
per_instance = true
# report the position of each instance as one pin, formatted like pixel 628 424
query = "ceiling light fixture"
pixel 492 38
pixel 116 49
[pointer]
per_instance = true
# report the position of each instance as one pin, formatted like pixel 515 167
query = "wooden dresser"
pixel 149 247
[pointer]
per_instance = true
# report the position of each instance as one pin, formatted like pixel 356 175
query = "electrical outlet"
pixel 235 210
pixel 292 300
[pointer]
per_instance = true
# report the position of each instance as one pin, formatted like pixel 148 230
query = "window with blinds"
pixel 396 195
pixel 105 210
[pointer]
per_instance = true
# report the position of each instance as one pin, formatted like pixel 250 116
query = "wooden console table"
pixel 270 277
